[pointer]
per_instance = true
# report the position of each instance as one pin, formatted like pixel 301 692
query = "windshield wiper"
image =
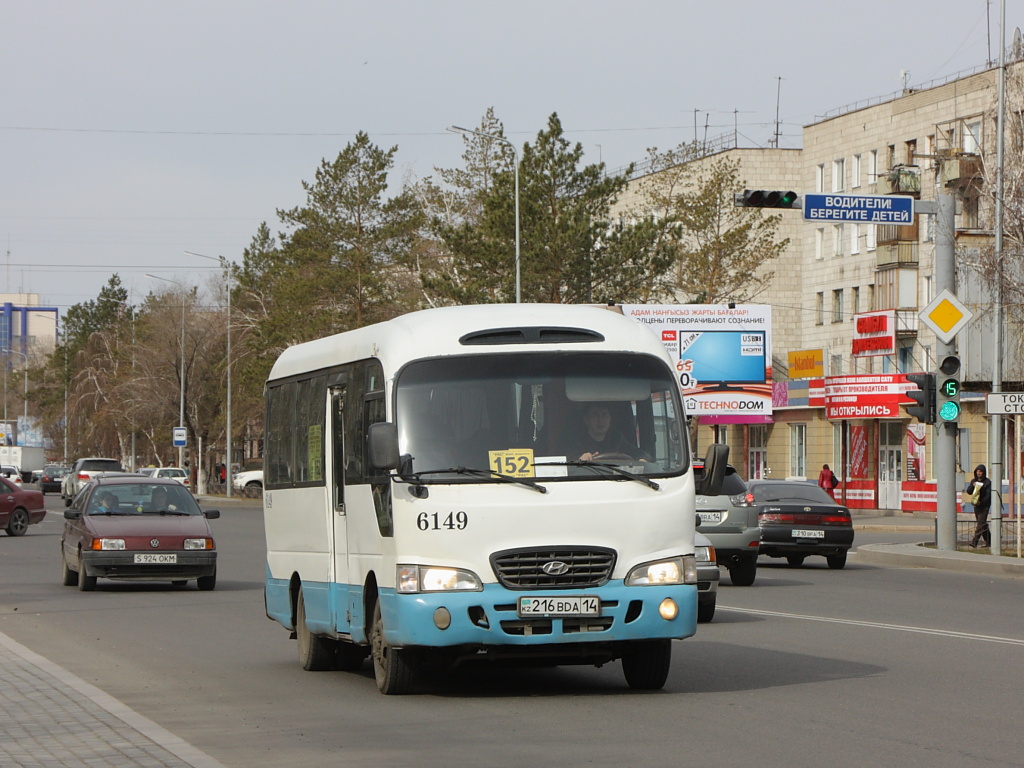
pixel 597 464
pixel 414 477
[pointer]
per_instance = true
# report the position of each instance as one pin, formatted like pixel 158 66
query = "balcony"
pixel 962 170
pixel 906 322
pixel 897 233
pixel 896 254
pixel 901 180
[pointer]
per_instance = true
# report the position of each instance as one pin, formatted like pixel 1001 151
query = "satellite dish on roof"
pixel 1017 50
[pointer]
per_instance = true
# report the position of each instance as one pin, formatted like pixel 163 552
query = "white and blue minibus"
pixel 500 482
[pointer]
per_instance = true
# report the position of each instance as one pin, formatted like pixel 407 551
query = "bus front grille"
pixel 568 568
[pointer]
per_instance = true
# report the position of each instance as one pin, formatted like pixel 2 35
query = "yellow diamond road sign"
pixel 946 315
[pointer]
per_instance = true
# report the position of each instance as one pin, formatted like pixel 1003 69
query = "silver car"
pixel 729 520
pixel 707 578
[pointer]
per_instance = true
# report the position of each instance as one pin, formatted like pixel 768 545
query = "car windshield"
pixel 790 492
pixel 539 415
pixel 142 499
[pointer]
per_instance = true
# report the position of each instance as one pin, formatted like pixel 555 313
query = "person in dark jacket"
pixel 983 485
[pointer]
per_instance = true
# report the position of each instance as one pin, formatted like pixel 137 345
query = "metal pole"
pixel 945 433
pixel 227 470
pixel 515 155
pixel 995 432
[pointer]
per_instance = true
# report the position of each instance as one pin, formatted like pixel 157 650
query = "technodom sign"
pixel 722 355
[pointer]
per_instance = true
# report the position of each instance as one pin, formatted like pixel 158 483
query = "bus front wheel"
pixel 646 664
pixel 390 667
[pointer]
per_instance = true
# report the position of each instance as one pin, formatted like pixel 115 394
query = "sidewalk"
pixel 49 717
pixel 914 556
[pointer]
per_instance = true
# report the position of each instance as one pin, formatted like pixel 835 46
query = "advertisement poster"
pixel 723 357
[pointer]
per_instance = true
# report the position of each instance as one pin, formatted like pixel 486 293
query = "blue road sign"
pixel 868 209
pixel 179 437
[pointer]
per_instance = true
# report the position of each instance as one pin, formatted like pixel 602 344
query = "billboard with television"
pixel 722 356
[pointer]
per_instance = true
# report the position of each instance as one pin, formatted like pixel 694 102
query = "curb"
pixel 915 555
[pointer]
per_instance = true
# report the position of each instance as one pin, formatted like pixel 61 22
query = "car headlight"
pixel 198 543
pixel 675 570
pixel 705 554
pixel 108 544
pixel 433 578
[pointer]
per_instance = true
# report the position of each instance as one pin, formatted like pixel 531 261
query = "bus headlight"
pixel 433 578
pixel 661 572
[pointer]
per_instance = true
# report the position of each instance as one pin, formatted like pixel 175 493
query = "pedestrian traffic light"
pixel 924 395
pixel 765 198
pixel 947 395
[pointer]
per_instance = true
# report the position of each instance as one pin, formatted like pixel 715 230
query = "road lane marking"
pixel 881 625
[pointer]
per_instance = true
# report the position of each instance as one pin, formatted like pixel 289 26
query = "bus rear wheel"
pixel 315 653
pixel 390 667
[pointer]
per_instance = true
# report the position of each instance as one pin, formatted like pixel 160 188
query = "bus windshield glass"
pixel 551 416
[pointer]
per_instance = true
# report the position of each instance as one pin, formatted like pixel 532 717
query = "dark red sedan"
pixel 139 528
pixel 19 508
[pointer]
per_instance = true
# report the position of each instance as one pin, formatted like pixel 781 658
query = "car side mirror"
pixel 715 464
pixel 72 514
pixel 382 446
pixel 211 514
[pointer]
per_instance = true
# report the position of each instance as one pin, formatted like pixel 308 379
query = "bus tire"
pixel 390 667
pixel 315 653
pixel 646 664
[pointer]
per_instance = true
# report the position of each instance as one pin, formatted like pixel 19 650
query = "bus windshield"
pixel 543 415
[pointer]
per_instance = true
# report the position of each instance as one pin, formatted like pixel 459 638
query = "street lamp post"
pixel 515 155
pixel 227 469
pixel 181 403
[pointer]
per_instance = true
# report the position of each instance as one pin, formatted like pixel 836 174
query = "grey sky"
pixel 133 131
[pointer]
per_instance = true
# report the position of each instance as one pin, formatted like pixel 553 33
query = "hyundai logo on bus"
pixel 555 568
pixel 1004 402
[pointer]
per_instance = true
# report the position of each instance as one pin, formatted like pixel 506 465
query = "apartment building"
pixel 846 297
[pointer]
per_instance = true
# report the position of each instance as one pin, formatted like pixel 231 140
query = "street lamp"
pixel 515 154
pixel 227 470
pixel 181 405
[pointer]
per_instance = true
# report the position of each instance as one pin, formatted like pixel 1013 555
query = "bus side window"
pixel 338 446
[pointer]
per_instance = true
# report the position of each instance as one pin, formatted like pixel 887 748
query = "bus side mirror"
pixel 714 470
pixel 382 446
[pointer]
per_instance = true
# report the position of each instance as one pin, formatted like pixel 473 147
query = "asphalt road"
pixel 859 667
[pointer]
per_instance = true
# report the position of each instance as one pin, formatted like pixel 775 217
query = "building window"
pixel 835 365
pixel 870 236
pixel 838 241
pixel 856 301
pixel 869 305
pixel 819 243
pixel 798 450
pixel 905 363
pixel 855 172
pixel 837 305
pixel 969 217
pixel 972 137
pixel 819 308
pixel 854 238
pixel 838 175
pixel 819 180
pixel 873 166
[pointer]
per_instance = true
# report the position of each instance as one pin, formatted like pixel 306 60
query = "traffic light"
pixel 924 395
pixel 947 396
pixel 766 198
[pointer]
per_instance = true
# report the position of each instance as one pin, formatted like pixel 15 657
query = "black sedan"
pixel 798 519
pixel 50 479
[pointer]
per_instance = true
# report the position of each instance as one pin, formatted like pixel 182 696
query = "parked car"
pixel 251 479
pixel 707 578
pixel 84 470
pixel 729 520
pixel 181 475
pixel 19 507
pixel 134 527
pixel 12 473
pixel 51 477
pixel 36 474
pixel 799 519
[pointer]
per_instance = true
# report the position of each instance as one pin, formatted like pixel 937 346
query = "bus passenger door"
pixel 339 518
